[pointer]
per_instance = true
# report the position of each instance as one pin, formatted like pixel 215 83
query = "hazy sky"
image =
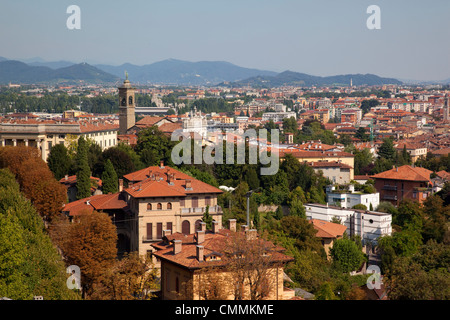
pixel 319 37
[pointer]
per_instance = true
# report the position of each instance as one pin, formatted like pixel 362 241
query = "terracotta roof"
pixel 214 244
pixel 329 164
pixel 72 181
pixel 148 121
pixel 443 152
pixel 443 175
pixel 154 182
pixel 362 177
pixel 327 229
pixel 405 172
pixel 318 154
pixel 86 126
pixel 115 201
pixel 170 127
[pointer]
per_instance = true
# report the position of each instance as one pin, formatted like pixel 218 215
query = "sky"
pixel 318 37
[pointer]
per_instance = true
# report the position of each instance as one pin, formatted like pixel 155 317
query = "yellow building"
pixel 319 157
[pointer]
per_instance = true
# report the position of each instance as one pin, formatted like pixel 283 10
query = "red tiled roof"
pixel 318 154
pixel 86 126
pixel 405 172
pixel 148 121
pixel 327 229
pixel 170 127
pixel 329 164
pixel 72 180
pixel 154 182
pixel 443 175
pixel 214 244
pixel 115 201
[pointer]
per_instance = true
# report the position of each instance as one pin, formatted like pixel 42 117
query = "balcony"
pixel 146 239
pixel 390 188
pixel 389 197
pixel 212 210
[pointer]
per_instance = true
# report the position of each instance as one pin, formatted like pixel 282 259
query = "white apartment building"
pixel 351 198
pixel 370 225
pixel 278 116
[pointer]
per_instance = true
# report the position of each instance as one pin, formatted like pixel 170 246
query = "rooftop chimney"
pixel 188 184
pixel 200 253
pixel 120 185
pixel 66 177
pixel 202 226
pixel 215 226
pixel 161 164
pixel 232 223
pixel 167 233
pixel 200 235
pixel 244 227
pixel 176 246
pixel 251 234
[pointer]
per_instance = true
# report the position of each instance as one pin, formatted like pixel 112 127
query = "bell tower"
pixel 126 106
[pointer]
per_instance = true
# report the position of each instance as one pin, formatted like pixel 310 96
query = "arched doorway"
pixel 186 227
pixel 197 225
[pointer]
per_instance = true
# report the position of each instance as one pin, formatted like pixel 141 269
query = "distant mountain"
pixel 289 78
pixel 53 65
pixel 19 72
pixel 180 72
pixel 3 59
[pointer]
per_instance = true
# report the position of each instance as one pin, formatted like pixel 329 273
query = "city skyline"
pixel 323 38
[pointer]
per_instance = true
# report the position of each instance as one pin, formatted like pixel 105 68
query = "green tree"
pixel 12 258
pixel 295 202
pixel 387 150
pixel 83 180
pixel 59 161
pixel 361 134
pixel 153 146
pixel 347 255
pixel 207 218
pixel 302 232
pixel 110 181
pixel 325 292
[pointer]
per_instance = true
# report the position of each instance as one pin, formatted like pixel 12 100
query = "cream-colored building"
pixel 150 203
pixel 47 133
pixel 328 161
pixel 161 198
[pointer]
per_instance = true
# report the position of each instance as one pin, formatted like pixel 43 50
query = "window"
pixel 169 206
pixel 130 100
pixel 159 230
pixel 208 201
pixel 149 231
pixel 149 206
pixel 182 204
pixel 177 285
pixel 195 202
pixel 169 226
pixel 159 206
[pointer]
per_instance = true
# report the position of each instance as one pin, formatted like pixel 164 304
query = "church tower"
pixel 126 106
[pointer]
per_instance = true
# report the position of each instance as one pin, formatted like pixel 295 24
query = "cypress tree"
pixel 109 178
pixel 83 170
